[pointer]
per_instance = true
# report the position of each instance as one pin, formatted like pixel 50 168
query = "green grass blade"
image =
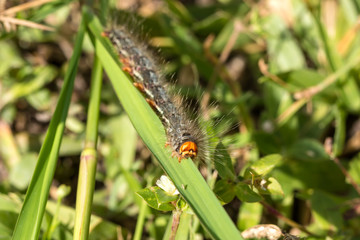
pixel 88 160
pixel 30 218
pixel 185 176
pixel 340 131
pixel 140 221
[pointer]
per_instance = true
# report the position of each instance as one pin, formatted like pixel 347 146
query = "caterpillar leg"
pixel 179 157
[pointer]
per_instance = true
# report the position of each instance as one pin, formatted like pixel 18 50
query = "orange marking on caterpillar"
pixel 127 69
pixel 105 34
pixel 151 103
pixel 139 86
pixel 127 66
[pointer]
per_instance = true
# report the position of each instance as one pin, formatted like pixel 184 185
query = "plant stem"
pixel 88 160
pixel 140 221
pixel 285 219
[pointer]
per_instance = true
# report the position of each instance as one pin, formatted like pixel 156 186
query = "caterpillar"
pixel 185 136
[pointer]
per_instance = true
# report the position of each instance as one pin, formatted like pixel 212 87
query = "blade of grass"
pixel 185 176
pixel 184 226
pixel 30 218
pixel 306 95
pixel 88 160
pixel 349 91
pixel 340 131
pixel 140 221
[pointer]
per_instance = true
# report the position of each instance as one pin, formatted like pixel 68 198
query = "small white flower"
pixel 167 185
pixel 262 184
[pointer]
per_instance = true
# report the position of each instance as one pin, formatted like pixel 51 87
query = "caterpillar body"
pixel 184 135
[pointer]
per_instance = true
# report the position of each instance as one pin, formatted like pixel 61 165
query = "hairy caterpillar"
pixel 184 135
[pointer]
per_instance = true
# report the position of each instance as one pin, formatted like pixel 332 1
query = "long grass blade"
pixel 88 160
pixel 30 218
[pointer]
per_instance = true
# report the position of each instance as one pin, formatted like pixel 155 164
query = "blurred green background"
pixel 268 77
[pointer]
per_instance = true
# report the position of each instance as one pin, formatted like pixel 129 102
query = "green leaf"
pixel 183 206
pixel 284 51
pixel 37 194
pixel 308 149
pixel 249 215
pixel 354 168
pixel 8 214
pixel 223 163
pixel 277 99
pixel 267 143
pixel 149 196
pixel 21 173
pixel 5 232
pixel 275 188
pixel 302 78
pixel 212 22
pixel 178 9
pixel 224 35
pixel 326 211
pixel 324 175
pixel 264 165
pixel 186 43
pixel 38 79
pixel 350 95
pixel 340 131
pixel 272 187
pixel 184 228
pixel 225 190
pixel 9 58
pixel 164 197
pixel 40 100
pixel 245 194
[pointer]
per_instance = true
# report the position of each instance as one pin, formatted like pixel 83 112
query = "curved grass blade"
pixel 185 175
pixel 30 218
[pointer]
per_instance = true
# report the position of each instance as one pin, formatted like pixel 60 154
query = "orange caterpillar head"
pixel 188 150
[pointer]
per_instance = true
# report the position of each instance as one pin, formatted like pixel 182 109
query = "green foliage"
pixel 157 199
pixel 223 163
pixel 279 89
pixel 264 165
pixel 38 190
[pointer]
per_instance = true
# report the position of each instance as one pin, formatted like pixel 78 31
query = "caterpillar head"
pixel 188 150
